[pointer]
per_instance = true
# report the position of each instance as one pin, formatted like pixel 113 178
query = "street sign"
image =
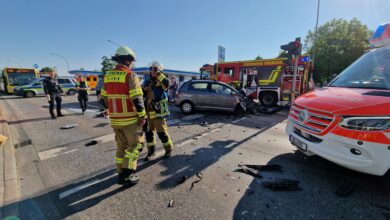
pixel 36 66
pixel 221 54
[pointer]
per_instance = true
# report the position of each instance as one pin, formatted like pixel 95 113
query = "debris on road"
pixel 249 172
pixel 68 126
pixel 182 180
pixel 101 125
pixel 2 138
pixel 171 203
pixel 345 190
pixel 282 185
pixel 200 176
pixel 268 167
pixel 90 143
pixel 204 123
pixel 23 143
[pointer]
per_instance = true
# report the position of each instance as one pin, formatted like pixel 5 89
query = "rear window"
pixel 201 87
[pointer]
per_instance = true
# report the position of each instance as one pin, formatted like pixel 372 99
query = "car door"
pixel 38 87
pixel 200 94
pixel 65 84
pixel 222 97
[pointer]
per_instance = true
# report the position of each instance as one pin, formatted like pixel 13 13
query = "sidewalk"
pixel 9 185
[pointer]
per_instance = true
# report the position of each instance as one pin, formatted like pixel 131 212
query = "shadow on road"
pixel 319 179
pixel 49 205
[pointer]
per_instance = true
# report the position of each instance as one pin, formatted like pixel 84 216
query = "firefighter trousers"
pixel 129 140
pixel 159 125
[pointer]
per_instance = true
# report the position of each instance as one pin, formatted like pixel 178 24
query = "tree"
pixel 339 43
pixel 282 54
pixel 46 69
pixel 107 64
pixel 259 57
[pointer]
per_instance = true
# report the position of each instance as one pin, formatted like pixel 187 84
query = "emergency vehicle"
pixel 348 122
pixel 269 80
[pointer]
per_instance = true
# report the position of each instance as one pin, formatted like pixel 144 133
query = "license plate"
pixel 298 143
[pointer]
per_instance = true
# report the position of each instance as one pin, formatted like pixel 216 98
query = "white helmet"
pixel 124 52
pixel 157 65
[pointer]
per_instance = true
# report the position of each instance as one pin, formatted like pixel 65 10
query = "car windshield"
pixel 20 79
pixel 371 71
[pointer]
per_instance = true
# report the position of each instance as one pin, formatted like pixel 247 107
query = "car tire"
pixel 71 92
pixel 187 107
pixel 239 110
pixel 268 99
pixel 29 94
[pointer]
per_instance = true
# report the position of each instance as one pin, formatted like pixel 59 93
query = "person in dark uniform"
pixel 53 92
pixel 82 89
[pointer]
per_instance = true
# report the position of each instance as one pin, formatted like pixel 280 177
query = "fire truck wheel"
pixel 268 99
pixel 187 107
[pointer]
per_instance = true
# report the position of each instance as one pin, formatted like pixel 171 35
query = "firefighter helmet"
pixel 124 53
pixel 158 65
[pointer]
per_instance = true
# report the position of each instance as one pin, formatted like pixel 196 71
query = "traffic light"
pixel 293 48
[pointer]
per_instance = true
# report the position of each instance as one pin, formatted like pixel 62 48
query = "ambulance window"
pixel 229 71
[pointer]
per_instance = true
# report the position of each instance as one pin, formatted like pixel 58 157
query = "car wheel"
pixel 29 94
pixel 71 92
pixel 268 99
pixel 239 110
pixel 187 107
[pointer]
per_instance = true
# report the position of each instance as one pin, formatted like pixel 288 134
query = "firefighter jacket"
pixel 123 95
pixel 156 96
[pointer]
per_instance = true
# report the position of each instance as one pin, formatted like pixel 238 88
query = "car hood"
pixel 347 101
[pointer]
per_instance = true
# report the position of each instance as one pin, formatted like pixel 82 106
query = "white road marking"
pixel 85 185
pixel 191 117
pixel 238 120
pixel 173 122
pixel 44 155
pixel 184 142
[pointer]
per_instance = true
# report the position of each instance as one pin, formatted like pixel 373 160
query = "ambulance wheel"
pixel 268 99
pixel 29 94
pixel 71 92
pixel 187 107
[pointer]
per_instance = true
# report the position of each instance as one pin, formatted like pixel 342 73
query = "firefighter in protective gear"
pixel 123 95
pixel 155 90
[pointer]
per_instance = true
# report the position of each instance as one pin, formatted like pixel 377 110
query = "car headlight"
pixel 366 123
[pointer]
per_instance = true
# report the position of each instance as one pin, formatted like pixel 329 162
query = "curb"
pixel 9 185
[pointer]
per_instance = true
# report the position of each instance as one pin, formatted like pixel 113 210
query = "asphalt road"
pixel 62 178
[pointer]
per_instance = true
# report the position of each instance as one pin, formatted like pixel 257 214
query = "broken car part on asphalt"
pixel 68 126
pixel 200 176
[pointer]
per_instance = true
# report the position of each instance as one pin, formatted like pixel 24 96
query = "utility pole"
pixel 315 41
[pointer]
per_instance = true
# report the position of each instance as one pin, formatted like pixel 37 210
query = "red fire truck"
pixel 269 80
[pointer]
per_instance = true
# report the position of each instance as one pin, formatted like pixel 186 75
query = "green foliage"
pixel 259 57
pixel 339 43
pixel 282 54
pixel 107 64
pixel 47 69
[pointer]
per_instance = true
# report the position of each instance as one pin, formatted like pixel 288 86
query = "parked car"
pixel 35 88
pixel 209 95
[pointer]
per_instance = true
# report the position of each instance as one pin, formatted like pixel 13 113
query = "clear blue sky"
pixel 182 34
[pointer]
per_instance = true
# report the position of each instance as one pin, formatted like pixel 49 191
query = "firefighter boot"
pixel 167 154
pixel 151 154
pixel 121 178
pixel 130 177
